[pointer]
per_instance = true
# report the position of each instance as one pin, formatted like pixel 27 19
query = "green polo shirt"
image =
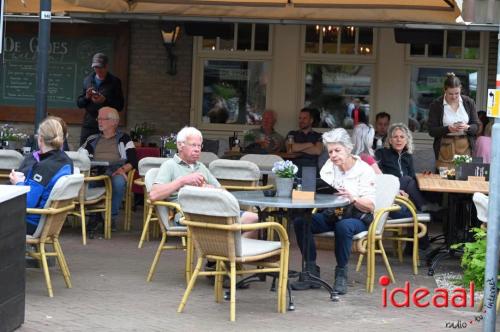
pixel 175 168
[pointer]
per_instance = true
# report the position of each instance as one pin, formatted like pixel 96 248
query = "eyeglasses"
pixel 103 119
pixel 193 145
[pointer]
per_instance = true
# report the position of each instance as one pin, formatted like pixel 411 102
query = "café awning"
pixel 422 11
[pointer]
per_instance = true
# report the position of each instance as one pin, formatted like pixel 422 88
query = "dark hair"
pixel 383 115
pixel 452 81
pixel 313 113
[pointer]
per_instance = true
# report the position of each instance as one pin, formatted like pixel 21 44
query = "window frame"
pixel 339 56
pixel 201 55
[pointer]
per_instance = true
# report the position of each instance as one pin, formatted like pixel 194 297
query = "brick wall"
pixel 155 96
pixel 492 60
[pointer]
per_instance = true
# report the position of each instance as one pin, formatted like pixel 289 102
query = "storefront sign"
pixel 494 103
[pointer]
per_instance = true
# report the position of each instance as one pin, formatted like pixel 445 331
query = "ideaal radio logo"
pixel 422 297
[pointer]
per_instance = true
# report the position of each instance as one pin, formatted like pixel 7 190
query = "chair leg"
pixel 386 262
pixel 62 263
pixel 189 257
pixel 84 225
pixel 107 219
pixel 360 262
pixel 146 226
pixel 45 267
pixel 218 282
pixel 145 212
pixel 157 257
pixel 190 285
pixel 284 278
pixel 232 301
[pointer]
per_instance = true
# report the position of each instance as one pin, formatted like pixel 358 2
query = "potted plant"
pixel 12 138
pixel 458 160
pixel 285 173
pixel 168 145
pixel 141 132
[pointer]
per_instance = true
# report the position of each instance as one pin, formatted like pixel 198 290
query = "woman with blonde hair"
pixel 42 174
pixel 396 158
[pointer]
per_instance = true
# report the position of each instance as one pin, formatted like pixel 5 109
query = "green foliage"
pixel 474 258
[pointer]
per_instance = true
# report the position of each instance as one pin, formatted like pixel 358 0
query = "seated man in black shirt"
pixel 306 141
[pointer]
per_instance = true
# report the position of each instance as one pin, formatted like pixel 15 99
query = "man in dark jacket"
pixel 116 148
pixel 100 89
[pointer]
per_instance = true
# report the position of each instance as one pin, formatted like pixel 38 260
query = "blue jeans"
pixel 344 230
pixel 119 184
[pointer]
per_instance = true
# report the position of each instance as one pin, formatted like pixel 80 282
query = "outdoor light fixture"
pixel 170 33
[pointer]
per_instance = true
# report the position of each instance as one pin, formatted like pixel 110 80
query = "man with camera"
pixel 100 89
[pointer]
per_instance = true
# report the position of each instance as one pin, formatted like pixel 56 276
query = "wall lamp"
pixel 170 33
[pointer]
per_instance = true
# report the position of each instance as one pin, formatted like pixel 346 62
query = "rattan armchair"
pixel 53 215
pixel 212 218
pixel 9 160
pixel 207 157
pixel 165 211
pixel 237 174
pixel 415 223
pixel 145 164
pixel 92 199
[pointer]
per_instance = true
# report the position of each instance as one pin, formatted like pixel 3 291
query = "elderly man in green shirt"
pixel 185 169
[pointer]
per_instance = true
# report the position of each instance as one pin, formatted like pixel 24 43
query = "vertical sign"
pixel 1 25
pixel 494 103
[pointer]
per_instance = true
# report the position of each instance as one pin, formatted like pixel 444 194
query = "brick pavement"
pixel 110 293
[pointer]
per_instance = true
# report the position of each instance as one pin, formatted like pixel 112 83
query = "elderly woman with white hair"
pixel 362 139
pixel 354 180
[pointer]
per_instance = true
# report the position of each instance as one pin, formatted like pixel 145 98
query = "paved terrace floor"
pixel 110 293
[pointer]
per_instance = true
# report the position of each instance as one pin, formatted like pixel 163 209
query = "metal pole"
pixel 1 25
pixel 491 272
pixel 42 62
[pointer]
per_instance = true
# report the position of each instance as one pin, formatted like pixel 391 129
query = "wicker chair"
pixel 92 199
pixel 167 227
pixel 237 174
pixel 207 157
pixel 53 215
pixel 416 223
pixel 9 160
pixel 145 164
pixel 265 162
pixel 212 218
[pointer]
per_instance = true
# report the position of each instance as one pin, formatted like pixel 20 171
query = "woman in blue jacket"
pixel 44 173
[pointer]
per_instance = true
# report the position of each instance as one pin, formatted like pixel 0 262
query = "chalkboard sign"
pixel 70 55
pixel 69 63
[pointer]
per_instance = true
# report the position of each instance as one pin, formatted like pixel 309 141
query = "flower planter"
pixel 284 187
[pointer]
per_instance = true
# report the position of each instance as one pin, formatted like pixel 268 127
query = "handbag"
pixel 350 211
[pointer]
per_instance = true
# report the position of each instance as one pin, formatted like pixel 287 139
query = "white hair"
pixel 338 136
pixel 362 139
pixel 405 130
pixel 186 132
pixel 112 113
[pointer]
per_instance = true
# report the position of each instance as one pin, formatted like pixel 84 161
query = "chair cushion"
pixel 326 234
pixel 251 247
pixel 421 217
pixel 94 193
pixel 360 236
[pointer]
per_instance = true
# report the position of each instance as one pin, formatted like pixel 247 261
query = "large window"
pixel 234 92
pixel 449 44
pixel 244 37
pixel 336 90
pixel 427 85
